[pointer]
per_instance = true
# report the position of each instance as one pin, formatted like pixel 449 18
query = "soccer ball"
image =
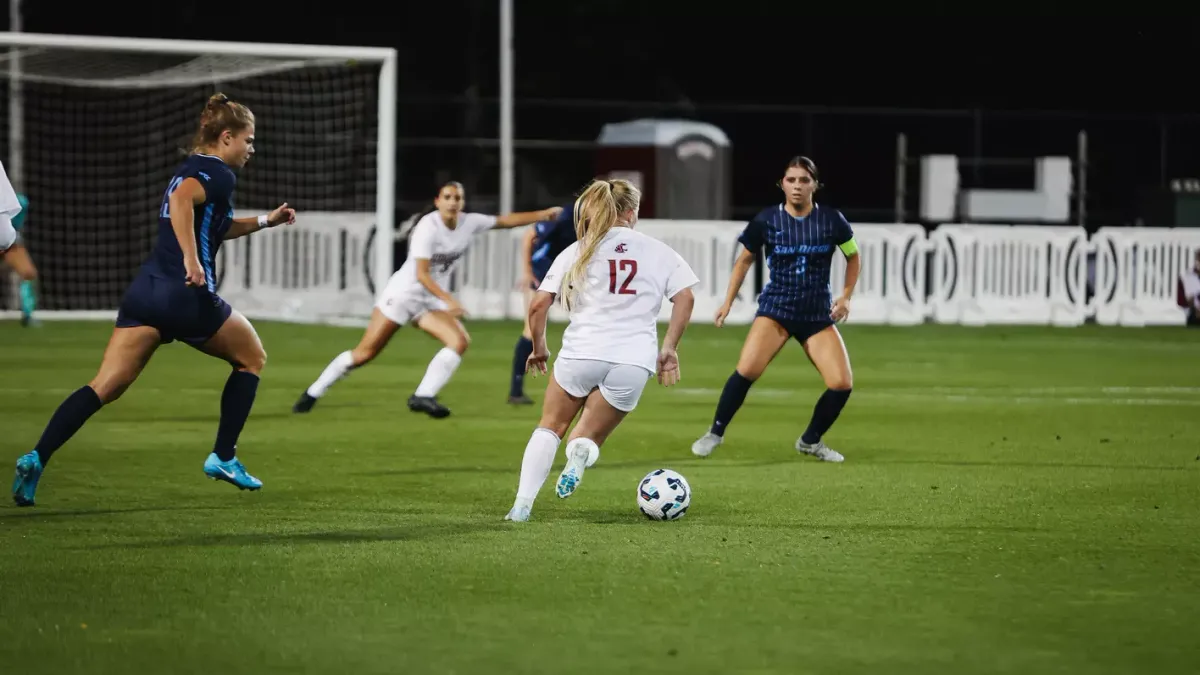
pixel 664 495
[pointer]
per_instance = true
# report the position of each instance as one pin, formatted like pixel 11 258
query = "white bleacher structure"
pixel 953 274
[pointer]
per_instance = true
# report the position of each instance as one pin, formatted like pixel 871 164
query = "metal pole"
pixel 506 107
pixel 1081 179
pixel 15 167
pixel 901 174
pixel 14 164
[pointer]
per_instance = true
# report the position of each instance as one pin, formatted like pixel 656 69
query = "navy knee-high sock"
pixel 236 401
pixel 732 397
pixel 825 413
pixel 520 355
pixel 68 419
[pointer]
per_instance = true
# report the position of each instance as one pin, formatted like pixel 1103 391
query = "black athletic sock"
pixel 825 413
pixel 236 401
pixel 732 397
pixel 520 355
pixel 68 419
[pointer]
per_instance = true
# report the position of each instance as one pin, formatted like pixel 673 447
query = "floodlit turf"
pixel 1021 500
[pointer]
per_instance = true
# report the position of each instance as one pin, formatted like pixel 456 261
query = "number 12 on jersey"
pixel 624 265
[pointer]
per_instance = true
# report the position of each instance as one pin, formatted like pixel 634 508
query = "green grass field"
pixel 1016 500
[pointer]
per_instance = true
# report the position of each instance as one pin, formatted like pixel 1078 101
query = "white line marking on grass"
pixel 1011 396
pixel 703 391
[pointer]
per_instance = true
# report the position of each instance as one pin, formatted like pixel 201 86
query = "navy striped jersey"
pixel 211 219
pixel 552 238
pixel 799 252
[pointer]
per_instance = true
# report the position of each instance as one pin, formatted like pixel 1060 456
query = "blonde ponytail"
pixel 597 211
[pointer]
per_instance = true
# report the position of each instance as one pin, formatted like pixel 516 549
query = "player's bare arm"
pixel 841 305
pixel 668 358
pixel 183 221
pixel 282 215
pixel 510 220
pixel 539 314
pixel 426 279
pixel 740 267
pixel 528 278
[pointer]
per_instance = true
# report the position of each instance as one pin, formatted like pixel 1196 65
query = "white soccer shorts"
pixel 620 384
pixel 402 305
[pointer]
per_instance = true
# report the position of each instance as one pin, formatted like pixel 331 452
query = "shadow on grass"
pixel 646 465
pixel 358 536
pixel 16 515
pixel 725 521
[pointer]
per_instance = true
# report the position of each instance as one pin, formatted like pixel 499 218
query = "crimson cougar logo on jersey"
pixel 621 248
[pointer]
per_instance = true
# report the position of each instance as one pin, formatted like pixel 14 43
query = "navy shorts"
pixel 179 312
pixel 801 330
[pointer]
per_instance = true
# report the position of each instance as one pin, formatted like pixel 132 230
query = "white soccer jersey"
pixel 441 246
pixel 615 317
pixel 9 208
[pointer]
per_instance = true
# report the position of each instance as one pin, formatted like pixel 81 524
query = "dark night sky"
pixel 666 50
pixel 690 59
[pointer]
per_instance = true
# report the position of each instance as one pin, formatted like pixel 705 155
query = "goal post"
pixel 97 125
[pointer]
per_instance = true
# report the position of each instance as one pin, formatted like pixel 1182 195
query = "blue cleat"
pixel 231 472
pixel 572 473
pixel 29 470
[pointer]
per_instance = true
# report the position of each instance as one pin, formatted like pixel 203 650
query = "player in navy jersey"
pixel 173 297
pixel 799 238
pixel 541 245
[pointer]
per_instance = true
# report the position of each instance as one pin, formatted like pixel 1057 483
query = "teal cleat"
pixel 231 472
pixel 572 473
pixel 29 470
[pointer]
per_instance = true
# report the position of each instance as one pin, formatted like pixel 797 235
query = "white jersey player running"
pixel 417 293
pixel 612 282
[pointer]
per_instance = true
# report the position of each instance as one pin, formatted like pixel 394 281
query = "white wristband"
pixel 263 223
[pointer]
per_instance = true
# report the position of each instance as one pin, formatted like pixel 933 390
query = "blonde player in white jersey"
pixel 612 282
pixel 417 293
pixel 10 206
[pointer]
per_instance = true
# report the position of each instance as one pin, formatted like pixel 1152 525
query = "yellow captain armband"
pixel 849 248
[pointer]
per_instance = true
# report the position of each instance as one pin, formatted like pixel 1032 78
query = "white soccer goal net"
pixel 96 126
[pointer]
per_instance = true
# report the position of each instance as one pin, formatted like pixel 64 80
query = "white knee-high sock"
pixel 593 450
pixel 535 467
pixel 336 370
pixel 440 369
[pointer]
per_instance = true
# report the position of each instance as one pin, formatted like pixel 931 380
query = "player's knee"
pixel 363 354
pixel 253 362
pixel 108 388
pixel 460 343
pixel 557 427
pixel 749 369
pixel 840 381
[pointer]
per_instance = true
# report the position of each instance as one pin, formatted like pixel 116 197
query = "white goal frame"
pixel 385 165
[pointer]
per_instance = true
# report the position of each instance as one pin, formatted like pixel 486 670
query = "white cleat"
pixel 519 512
pixel 819 450
pixel 572 473
pixel 704 446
